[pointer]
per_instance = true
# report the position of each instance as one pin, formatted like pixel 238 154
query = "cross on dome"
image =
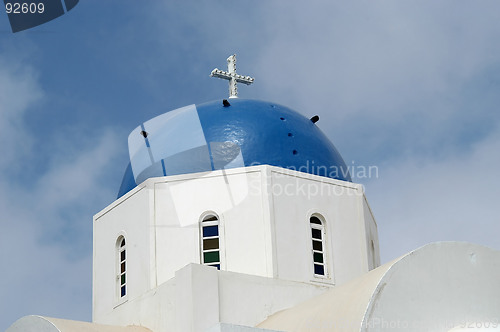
pixel 231 76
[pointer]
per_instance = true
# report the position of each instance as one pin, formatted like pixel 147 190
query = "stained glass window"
pixel 210 249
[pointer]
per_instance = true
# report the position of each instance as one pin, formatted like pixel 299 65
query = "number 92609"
pixel 24 8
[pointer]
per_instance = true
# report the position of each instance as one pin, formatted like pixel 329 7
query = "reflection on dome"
pixel 211 136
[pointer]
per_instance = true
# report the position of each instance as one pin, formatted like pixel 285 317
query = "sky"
pixel 409 87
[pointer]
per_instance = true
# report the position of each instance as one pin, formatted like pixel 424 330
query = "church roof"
pixel 48 324
pixel 229 134
pixel 442 286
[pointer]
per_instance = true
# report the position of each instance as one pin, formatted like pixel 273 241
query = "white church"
pixel 240 215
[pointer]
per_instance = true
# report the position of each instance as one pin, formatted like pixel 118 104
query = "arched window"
pixel 121 275
pixel 318 246
pixel 210 253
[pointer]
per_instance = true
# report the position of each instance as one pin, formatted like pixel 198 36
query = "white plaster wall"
pixel 235 196
pixel 372 244
pixel 264 230
pixel 245 227
pixel 297 196
pixel 131 217
pixel 199 297
pixel 248 300
pixel 155 309
pixel 160 220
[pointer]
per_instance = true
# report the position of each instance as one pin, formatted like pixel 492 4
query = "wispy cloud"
pixel 418 200
pixel 386 78
pixel 45 243
pixel 18 91
pixel 411 87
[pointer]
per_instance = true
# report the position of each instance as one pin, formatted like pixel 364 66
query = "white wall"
pixel 264 230
pixel 180 203
pixel 372 244
pixel 131 218
pixel 199 297
pixel 296 197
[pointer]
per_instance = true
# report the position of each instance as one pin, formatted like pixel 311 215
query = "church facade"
pixel 240 215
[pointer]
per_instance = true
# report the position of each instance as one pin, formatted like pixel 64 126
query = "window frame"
pixel 205 222
pixel 320 228
pixel 121 275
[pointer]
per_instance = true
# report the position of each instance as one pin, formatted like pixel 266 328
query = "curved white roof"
pixel 47 324
pixel 434 288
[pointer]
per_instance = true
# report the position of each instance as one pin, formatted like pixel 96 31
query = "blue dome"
pixel 213 136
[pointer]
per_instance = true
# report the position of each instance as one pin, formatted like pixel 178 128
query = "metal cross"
pixel 231 76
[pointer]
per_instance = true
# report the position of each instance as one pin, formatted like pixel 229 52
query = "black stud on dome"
pixel 225 103
pixel 145 134
pixel 315 119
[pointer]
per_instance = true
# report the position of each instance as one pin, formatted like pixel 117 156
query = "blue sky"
pixel 412 87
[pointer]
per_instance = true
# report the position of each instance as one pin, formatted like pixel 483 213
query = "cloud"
pixel 409 87
pixel 46 245
pixel 363 52
pixel 417 201
pixel 46 212
pixel 18 91
pixel 387 78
